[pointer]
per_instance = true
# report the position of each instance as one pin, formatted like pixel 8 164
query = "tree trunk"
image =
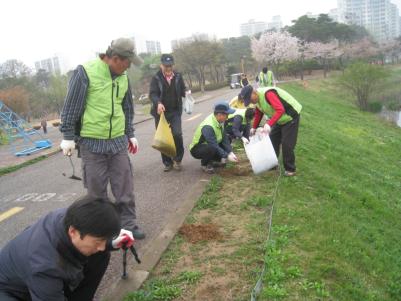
pixel 190 80
pixel 324 68
pixel 216 70
pixel 302 68
pixel 202 79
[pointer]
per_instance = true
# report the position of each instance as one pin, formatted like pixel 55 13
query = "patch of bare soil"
pixel 203 232
pixel 240 169
pixel 215 288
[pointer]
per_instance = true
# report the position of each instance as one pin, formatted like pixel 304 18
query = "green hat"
pixel 125 48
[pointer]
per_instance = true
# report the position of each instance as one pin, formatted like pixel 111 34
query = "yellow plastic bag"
pixel 163 140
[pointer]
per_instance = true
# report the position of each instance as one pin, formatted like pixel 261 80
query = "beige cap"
pixel 126 48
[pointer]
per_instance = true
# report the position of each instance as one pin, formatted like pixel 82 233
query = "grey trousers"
pixel 100 169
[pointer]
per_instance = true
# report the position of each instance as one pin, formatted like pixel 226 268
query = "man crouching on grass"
pixel 64 255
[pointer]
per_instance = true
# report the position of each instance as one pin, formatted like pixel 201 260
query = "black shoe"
pixel 138 233
pixel 218 164
pixel 208 169
pixel 167 168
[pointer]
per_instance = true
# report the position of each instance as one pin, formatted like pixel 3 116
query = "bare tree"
pixel 13 69
pixel 198 57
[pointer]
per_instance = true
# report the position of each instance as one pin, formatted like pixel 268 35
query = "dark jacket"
pixel 157 87
pixel 208 135
pixel 41 261
pixel 235 128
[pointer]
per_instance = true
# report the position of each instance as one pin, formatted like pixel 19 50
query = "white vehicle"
pixel 235 80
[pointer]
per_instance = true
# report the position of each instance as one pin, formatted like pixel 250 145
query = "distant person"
pixel 64 255
pixel 266 78
pixel 210 143
pixel 167 89
pixel 283 111
pixel 244 80
pixel 238 124
pixel 43 124
pixel 98 112
pixel 237 103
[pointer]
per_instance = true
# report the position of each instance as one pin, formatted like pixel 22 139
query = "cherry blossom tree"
pixel 324 52
pixel 360 49
pixel 274 48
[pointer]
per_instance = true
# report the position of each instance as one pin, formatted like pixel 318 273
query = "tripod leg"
pixel 124 275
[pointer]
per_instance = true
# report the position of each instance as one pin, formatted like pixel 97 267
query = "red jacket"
pixel 274 101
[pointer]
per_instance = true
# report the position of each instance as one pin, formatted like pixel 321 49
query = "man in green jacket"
pixel 238 124
pixel 284 112
pixel 266 78
pixel 98 113
pixel 210 143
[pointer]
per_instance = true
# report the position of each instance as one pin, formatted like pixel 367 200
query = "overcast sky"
pixel 34 30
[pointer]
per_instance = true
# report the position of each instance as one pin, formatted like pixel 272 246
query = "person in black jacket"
pixel 64 255
pixel 166 91
pixel 244 80
pixel 238 124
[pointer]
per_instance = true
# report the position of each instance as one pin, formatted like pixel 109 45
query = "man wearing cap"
pixel 98 113
pixel 166 91
pixel 238 124
pixel 284 113
pixel 210 143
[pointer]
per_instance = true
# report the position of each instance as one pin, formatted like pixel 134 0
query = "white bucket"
pixel 261 153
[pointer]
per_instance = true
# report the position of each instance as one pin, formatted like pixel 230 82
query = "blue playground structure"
pixel 23 139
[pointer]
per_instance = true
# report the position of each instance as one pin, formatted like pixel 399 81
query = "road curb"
pixel 152 252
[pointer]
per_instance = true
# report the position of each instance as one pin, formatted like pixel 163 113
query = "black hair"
pixel 249 114
pixel 93 216
pixel 264 69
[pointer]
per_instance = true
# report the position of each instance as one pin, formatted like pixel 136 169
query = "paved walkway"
pixel 160 197
pixel 8 159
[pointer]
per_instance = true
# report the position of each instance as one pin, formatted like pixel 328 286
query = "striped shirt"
pixel 74 107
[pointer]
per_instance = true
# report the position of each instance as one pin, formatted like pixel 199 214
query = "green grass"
pixel 336 226
pixel 344 208
pixel 165 289
pixel 209 197
pixel 10 169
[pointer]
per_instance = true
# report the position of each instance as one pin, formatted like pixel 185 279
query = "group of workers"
pixel 242 116
pixel 65 254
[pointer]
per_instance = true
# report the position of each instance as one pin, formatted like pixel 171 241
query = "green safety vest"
pixel 266 80
pixel 288 99
pixel 217 128
pixel 103 117
pixel 238 112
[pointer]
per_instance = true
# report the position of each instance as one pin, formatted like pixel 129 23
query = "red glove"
pixel 125 239
pixel 132 145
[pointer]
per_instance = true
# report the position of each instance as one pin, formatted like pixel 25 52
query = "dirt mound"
pixel 196 233
pixel 237 170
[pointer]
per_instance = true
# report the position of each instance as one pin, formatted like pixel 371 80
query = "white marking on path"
pixel 194 117
pixel 43 197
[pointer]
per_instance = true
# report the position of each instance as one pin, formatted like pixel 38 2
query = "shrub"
pixel 375 106
pixel 362 79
